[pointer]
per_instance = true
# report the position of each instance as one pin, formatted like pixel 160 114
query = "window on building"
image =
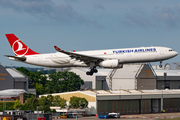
pixel 87 85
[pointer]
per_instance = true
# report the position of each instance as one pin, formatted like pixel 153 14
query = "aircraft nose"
pixel 175 53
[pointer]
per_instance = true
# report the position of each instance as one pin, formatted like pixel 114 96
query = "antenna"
pixel 11 65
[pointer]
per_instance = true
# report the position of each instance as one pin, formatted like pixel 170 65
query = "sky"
pixel 89 25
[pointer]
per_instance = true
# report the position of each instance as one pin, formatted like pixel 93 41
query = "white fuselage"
pixel 126 55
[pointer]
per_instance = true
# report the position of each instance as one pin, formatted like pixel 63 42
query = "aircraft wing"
pixel 81 57
pixel 16 58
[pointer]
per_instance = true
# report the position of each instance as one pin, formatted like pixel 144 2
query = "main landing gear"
pixel 160 64
pixel 93 70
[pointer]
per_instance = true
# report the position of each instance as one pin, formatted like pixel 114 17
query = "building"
pixel 131 76
pixel 20 80
pixel 6 80
pixel 97 81
pixel 89 95
pixel 126 101
pixel 10 78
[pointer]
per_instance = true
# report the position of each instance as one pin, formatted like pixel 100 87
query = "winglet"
pixel 57 48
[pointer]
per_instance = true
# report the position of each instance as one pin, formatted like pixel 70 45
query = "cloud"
pixel 137 17
pixel 167 17
pixel 63 13
pixel 159 17
pixel 98 6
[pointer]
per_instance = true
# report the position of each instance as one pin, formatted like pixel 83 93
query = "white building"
pixel 131 76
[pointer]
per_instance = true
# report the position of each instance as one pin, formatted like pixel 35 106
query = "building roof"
pixel 137 92
pixel 14 73
pixel 128 71
pixel 88 94
pixel 168 72
pixel 96 93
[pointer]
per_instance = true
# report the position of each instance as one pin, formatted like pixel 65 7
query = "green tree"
pixel 76 102
pixel 43 79
pixel 44 104
pixel 46 109
pixel 63 103
pixel 50 99
pixel 56 100
pixel 64 81
pixel 39 89
pixel 53 111
pixel 43 101
pixel 23 70
pixel 17 104
pixel 38 77
pixel 83 102
pixel 31 103
pixel 59 81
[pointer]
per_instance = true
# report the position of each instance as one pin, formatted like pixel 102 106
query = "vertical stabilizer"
pixel 18 47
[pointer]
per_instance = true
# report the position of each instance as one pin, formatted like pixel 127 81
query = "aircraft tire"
pixel 95 70
pixel 88 73
pixel 91 73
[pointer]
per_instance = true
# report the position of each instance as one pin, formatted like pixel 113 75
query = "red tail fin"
pixel 18 47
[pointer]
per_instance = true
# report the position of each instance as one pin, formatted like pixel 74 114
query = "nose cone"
pixel 175 53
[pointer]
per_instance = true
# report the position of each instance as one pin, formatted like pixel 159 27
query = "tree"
pixel 31 103
pixel 39 89
pixel 64 81
pixel 43 101
pixel 59 81
pixel 44 104
pixel 56 100
pixel 76 102
pixel 83 102
pixel 38 77
pixel 23 70
pixel 50 99
pixel 17 104
pixel 63 103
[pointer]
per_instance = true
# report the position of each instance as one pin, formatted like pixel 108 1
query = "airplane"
pixel 11 93
pixel 109 58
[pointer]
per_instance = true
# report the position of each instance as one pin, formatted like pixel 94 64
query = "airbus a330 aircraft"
pixel 111 58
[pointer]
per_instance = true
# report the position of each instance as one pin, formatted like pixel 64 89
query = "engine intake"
pixel 110 64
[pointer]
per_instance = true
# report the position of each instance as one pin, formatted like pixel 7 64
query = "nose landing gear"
pixel 160 64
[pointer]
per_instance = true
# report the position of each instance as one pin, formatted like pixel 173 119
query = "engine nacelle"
pixel 110 64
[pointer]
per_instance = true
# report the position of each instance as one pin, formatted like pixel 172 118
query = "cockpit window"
pixel 171 50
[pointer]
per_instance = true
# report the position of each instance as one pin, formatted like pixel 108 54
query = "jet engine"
pixel 110 64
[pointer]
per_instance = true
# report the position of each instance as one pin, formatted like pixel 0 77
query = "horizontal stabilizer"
pixel 16 58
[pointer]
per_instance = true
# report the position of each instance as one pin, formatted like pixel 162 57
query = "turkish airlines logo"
pixel 19 48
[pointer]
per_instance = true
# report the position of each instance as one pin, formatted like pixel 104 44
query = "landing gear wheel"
pixel 160 64
pixel 93 70
pixel 88 73
pixel 91 73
